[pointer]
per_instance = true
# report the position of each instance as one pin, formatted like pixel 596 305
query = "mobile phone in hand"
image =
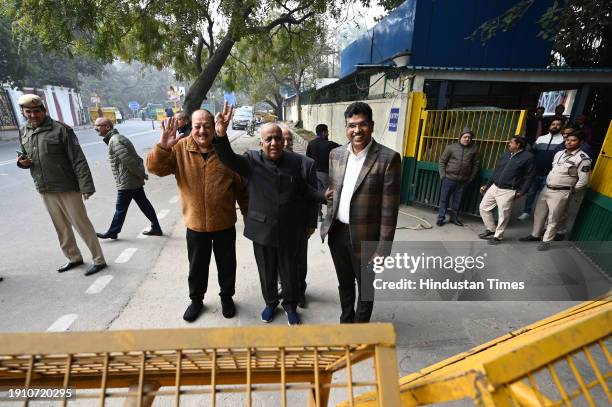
pixel 22 154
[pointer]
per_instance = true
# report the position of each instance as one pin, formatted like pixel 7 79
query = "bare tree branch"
pixel 198 53
pixel 211 39
pixel 241 62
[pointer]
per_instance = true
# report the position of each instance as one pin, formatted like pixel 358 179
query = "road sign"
pixel 95 99
pixel 393 119
pixel 134 105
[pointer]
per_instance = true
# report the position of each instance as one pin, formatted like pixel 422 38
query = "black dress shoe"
pixel 530 238
pixel 487 234
pixel 94 269
pixel 228 309
pixel 495 240
pixel 106 235
pixel 70 265
pixel 456 222
pixel 153 232
pixel 440 222
pixel 193 311
pixel 542 247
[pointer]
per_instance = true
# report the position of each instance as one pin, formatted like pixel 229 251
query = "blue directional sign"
pixel 230 98
pixel 393 119
pixel 134 105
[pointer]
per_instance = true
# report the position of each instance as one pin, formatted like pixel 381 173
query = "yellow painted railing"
pixel 492 130
pixel 205 362
pixel 563 360
pixel 601 179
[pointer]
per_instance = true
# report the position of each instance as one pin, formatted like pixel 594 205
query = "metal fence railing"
pixel 141 365
pixel 492 130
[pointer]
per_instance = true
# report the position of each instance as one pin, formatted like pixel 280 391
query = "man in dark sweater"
pixel 319 149
pixel 511 179
pixel 543 150
pixel 458 167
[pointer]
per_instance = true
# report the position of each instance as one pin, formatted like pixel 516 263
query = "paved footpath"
pixel 427 331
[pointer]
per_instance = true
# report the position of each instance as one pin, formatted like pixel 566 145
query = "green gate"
pixel 437 128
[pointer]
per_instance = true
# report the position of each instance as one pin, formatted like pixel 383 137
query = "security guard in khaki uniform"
pixel 570 172
pixel 51 151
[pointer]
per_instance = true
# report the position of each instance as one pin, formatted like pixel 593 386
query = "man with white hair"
pixel 276 185
pixel 51 151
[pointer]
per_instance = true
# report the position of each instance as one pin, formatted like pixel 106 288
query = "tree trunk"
pixel 277 105
pixel 197 91
pixel 298 99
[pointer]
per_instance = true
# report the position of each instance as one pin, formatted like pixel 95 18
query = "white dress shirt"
pixel 353 168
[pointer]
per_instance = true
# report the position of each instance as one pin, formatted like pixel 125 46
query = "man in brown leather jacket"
pixel 208 192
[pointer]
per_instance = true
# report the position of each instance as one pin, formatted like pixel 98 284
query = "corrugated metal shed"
pixel 435 31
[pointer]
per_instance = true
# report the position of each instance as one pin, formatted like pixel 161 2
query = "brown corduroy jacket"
pixel 208 189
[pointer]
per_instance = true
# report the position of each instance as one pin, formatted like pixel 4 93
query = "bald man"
pixel 307 211
pixel 208 191
pixel 129 173
pixel 276 187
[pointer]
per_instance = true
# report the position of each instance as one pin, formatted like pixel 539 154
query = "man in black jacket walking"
pixel 276 187
pixel 511 179
pixel 319 149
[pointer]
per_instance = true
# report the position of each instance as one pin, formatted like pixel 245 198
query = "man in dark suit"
pixel 363 202
pixel 307 210
pixel 276 186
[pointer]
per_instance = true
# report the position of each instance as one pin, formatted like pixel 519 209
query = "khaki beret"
pixel 29 100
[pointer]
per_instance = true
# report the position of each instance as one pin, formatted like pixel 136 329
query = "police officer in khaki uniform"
pixel 51 151
pixel 570 172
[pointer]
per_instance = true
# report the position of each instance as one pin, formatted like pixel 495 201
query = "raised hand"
pixel 169 135
pixel 222 120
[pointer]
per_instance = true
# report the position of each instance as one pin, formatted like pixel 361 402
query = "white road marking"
pixel 126 255
pixel 99 285
pixel 174 199
pixel 163 213
pixel 62 323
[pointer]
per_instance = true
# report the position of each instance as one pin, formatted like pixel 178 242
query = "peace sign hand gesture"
pixel 222 120
pixel 169 135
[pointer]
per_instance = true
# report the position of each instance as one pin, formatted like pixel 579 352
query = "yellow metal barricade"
pixel 563 360
pixel 601 178
pixel 184 362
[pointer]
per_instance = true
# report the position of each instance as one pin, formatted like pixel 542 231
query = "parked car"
pixel 242 118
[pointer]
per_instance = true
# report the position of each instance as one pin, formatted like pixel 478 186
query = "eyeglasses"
pixel 360 125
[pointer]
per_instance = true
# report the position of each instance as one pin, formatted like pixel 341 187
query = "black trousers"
pixel 124 197
pixel 302 263
pixel 200 245
pixel 348 270
pixel 275 262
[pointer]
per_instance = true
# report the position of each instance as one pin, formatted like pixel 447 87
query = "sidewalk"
pixel 427 331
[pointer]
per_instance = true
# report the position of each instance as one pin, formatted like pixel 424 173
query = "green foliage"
pixel 262 64
pixel 27 64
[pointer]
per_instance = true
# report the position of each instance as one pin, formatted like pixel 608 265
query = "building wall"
pixel 57 101
pixel 332 114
